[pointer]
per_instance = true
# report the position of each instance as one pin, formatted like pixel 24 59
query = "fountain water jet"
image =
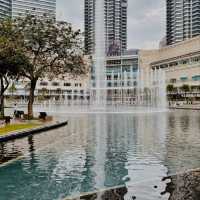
pixel 125 91
pixel 99 85
pixel 142 88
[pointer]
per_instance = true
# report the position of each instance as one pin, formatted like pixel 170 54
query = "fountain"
pixel 142 88
pixel 131 91
pixel 98 88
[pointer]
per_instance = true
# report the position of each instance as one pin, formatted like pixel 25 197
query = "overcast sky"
pixel 146 20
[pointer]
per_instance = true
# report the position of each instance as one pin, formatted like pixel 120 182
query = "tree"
pixel 185 88
pixel 12 88
pixel 53 48
pixel 11 57
pixel 170 88
pixel 10 64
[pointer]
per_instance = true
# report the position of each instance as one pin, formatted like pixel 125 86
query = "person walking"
pixel 15 110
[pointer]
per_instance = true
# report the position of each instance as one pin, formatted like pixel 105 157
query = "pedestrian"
pixel 15 109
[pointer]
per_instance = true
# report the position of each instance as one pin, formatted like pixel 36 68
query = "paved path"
pixel 187 107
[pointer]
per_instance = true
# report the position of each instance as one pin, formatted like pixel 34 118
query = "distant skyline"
pixel 146 20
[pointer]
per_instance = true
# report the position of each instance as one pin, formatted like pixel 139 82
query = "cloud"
pixel 71 11
pixel 146 23
pixel 146 20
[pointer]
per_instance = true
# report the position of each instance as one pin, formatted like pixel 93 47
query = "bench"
pixel 7 119
pixel 18 113
pixel 43 115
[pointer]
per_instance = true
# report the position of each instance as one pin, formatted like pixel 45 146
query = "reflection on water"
pixel 8 154
pixel 184 186
pixel 99 151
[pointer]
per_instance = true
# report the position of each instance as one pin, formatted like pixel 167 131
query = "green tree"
pixel 53 48
pixel 185 88
pixel 12 88
pixel 196 87
pixel 170 88
pixel 11 57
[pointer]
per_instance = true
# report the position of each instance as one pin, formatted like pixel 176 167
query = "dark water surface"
pixel 135 152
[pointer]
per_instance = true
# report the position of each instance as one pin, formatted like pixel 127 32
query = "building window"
pixel 173 80
pixel 43 83
pixel 196 59
pixel 184 62
pixel 55 84
pixel 108 77
pixel 109 84
pixel 196 78
pixel 171 64
pixel 115 77
pixel 67 84
pixel 113 62
pixel 69 91
pixel 184 78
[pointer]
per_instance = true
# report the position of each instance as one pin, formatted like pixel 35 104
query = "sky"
pixel 146 20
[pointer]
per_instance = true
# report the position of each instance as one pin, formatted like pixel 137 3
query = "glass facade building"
pixel 39 7
pixel 15 8
pixel 183 20
pixel 115 24
pixel 5 8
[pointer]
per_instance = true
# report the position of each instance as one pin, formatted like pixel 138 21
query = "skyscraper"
pixel 39 7
pixel 5 8
pixel 183 20
pixel 15 8
pixel 115 25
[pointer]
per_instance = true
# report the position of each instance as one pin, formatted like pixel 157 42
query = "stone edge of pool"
pixel 184 183
pixel 185 108
pixel 28 132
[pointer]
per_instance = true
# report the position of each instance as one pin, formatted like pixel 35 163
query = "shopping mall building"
pixel 181 62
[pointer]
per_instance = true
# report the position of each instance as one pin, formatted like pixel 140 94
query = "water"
pixel 144 87
pixel 100 150
pixel 98 92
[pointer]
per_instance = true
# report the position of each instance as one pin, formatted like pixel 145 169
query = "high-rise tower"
pixel 115 26
pixel 38 7
pixel 183 20
pixel 5 8
pixel 16 8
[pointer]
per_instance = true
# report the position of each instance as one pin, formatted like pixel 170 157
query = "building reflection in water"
pixel 132 152
pixel 184 186
pixel 8 152
pixel 182 142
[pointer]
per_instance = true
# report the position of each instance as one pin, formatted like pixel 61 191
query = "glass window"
pixel 196 78
pixel 67 84
pixel 184 78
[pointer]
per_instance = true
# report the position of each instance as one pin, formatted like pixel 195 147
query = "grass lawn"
pixel 16 127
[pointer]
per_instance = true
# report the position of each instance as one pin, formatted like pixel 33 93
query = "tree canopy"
pixel 11 57
pixel 36 47
pixel 53 48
